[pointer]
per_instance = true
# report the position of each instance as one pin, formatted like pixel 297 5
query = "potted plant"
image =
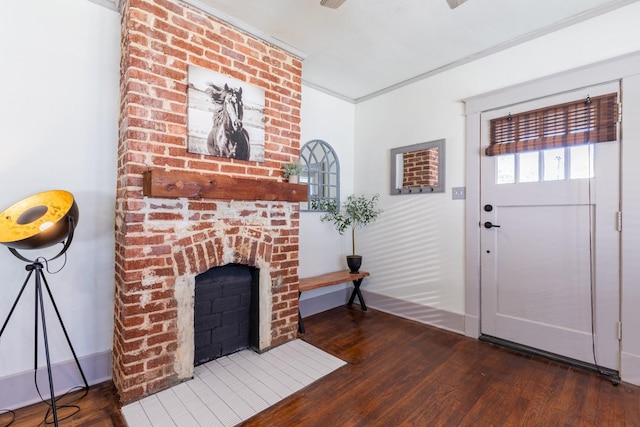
pixel 356 212
pixel 292 171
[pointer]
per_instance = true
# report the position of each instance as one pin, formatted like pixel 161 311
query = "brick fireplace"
pixel 165 235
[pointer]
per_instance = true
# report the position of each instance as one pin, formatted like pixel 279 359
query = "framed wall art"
pixel 225 116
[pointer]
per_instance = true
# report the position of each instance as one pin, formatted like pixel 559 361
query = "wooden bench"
pixel 330 279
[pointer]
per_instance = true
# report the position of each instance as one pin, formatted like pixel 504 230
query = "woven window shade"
pixel 573 123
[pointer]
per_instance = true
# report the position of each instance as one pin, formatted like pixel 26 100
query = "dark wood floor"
pixel 99 408
pixel 402 373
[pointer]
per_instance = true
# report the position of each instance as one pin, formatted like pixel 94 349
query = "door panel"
pixel 549 287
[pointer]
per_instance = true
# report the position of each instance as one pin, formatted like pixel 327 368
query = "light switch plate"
pixel 459 193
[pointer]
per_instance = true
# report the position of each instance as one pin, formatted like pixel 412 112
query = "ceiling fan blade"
pixel 333 4
pixel 455 3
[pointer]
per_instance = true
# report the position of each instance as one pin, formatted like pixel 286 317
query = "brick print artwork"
pixel 420 168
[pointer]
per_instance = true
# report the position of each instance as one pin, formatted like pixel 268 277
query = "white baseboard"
pixel 630 368
pixel 453 322
pixel 431 316
pixel 19 390
pixel 324 302
pixel 471 326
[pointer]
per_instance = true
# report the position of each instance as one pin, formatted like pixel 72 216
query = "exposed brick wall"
pixel 420 168
pixel 161 244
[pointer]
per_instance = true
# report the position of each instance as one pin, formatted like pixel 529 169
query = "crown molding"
pixel 109 4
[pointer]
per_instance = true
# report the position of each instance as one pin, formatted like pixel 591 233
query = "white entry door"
pixel 550 257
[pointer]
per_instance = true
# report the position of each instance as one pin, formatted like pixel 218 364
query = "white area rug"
pixel 231 389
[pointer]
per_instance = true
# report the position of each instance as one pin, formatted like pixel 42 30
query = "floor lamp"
pixel 37 222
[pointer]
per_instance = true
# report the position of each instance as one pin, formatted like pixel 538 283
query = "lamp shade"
pixel 38 221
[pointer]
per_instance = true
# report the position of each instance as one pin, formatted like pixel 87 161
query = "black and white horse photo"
pixel 228 137
pixel 225 116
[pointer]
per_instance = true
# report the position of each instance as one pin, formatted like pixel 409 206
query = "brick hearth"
pixel 163 243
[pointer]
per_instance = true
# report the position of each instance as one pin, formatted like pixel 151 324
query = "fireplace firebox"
pixel 226 312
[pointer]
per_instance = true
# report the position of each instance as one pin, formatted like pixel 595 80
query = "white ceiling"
pixel 368 46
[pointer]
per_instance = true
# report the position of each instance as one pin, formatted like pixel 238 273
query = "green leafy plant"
pixel 356 212
pixel 292 168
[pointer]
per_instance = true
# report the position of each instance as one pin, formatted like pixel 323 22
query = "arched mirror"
pixel 418 168
pixel 321 174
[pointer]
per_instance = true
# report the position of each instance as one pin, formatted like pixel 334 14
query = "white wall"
pixel 59 82
pixel 416 251
pixel 330 119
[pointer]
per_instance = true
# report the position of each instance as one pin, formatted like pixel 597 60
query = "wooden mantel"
pixel 174 184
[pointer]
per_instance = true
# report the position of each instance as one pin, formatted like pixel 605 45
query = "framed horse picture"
pixel 225 116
